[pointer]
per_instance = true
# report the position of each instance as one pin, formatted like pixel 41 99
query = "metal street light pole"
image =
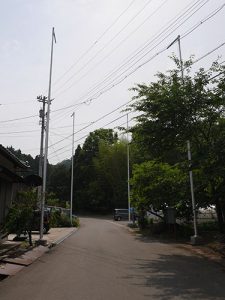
pixel 46 137
pixel 181 61
pixel 71 199
pixel 192 192
pixel 128 171
pixel 195 237
pixel 177 39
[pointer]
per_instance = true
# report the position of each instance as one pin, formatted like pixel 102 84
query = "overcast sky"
pixel 100 43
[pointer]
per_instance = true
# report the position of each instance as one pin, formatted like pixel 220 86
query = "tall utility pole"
pixel 71 199
pixel 195 238
pixel 128 171
pixel 180 56
pixel 43 100
pixel 46 137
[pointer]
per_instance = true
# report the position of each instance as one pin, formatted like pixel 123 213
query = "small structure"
pixel 11 180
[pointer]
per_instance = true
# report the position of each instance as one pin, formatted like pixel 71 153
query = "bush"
pixel 55 218
pixel 208 226
pixel 142 222
pixel 76 222
pixel 20 217
pixel 61 220
pixel 133 225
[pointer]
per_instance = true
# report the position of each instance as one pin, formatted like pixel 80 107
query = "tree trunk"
pixel 30 238
pixel 220 216
pixel 219 212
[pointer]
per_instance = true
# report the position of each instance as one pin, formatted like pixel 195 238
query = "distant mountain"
pixel 66 163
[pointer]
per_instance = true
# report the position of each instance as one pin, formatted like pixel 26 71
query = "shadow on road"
pixel 180 277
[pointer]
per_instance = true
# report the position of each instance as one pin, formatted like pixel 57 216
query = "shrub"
pixel 55 218
pixel 61 220
pixel 76 222
pixel 20 217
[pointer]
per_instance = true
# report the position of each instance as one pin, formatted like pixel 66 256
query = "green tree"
pixel 20 217
pixel 59 182
pixel 158 185
pixel 111 175
pixel 172 111
pixel 85 185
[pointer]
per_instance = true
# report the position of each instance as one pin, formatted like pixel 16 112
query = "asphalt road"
pixel 104 261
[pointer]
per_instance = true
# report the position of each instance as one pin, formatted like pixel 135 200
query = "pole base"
pixel 196 240
pixel 41 243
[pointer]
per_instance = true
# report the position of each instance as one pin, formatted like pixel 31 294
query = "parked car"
pixel 123 214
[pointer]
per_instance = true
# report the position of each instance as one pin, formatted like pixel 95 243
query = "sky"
pixel 103 48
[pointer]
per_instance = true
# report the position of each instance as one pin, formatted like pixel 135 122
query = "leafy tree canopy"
pixel 173 110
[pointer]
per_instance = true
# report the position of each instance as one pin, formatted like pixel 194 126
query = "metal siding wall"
pixel 5 198
pixel 2 201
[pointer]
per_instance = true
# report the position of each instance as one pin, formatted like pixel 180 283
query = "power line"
pixel 221 73
pixel 18 136
pixel 18 102
pixel 66 107
pixel 208 53
pixel 53 148
pixel 99 119
pixel 174 21
pixel 186 34
pixel 156 54
pixel 115 48
pixel 187 9
pixel 96 42
pixel 98 94
pixel 69 126
pixel 22 131
pixel 86 136
pixel 212 14
pixel 106 45
pixel 112 84
pixel 17 119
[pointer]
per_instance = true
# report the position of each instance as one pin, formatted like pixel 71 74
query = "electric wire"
pixel 185 34
pixel 17 119
pixel 98 94
pixel 22 131
pixel 112 84
pixel 96 42
pixel 202 3
pixel 54 149
pixel 133 54
pixel 191 30
pixel 211 15
pixel 99 119
pixel 116 119
pixel 106 45
pixel 197 60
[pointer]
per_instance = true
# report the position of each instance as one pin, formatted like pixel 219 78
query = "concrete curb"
pixel 32 255
pixel 59 241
